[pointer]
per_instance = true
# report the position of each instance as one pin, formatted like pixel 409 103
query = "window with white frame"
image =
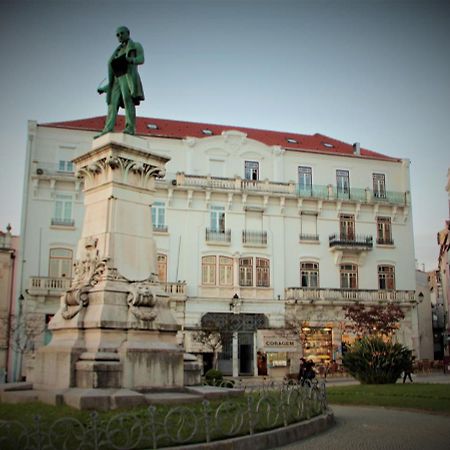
pixel 379 185
pixel 63 210
pixel 343 183
pixel 60 263
pixel 217 269
pixel 309 274
pixel 349 276
pixel 308 226
pixel 252 170
pixel 65 166
pixel 305 178
pixel 159 216
pixel 217 218
pixel 386 277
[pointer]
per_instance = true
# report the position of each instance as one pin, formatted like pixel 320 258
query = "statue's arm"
pixel 103 89
pixel 139 57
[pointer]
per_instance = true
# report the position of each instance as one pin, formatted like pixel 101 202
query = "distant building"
pixel 443 238
pixel 9 246
pixel 424 316
pixel 438 313
pixel 256 230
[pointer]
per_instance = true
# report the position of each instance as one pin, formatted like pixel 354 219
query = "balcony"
pixel 309 237
pixel 350 242
pixel 48 286
pixel 54 169
pixel 158 228
pixel 254 238
pixel 218 237
pixel 316 192
pixel 345 295
pixel 59 222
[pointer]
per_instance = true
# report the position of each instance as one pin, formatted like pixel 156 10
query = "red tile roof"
pixel 175 129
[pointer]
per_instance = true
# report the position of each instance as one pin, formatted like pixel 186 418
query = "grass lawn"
pixel 426 397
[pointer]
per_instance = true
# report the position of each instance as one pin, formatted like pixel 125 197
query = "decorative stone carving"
pixel 142 300
pixel 88 272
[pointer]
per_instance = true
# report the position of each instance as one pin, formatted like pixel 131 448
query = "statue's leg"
pixel 113 107
pixel 130 109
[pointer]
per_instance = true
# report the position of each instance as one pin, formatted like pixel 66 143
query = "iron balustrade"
pixel 254 237
pixel 357 240
pixel 360 295
pixel 385 241
pixel 63 222
pixel 309 237
pixel 212 235
pixel 160 228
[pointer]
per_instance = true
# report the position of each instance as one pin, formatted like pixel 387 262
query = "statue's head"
pixel 123 34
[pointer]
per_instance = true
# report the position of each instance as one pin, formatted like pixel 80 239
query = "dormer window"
pixel 292 140
pixel 207 132
pixel 327 145
pixel 152 126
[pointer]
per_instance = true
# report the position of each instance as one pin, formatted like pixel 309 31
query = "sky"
pixel 369 71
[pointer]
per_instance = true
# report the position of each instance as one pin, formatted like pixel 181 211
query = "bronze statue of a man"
pixel 124 87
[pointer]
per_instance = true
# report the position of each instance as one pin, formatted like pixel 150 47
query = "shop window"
pixel 309 274
pixel 317 344
pixel 349 276
pixel 386 278
pixel 162 268
pixel 60 263
pixel 278 359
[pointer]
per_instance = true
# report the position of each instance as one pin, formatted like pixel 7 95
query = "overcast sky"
pixel 376 72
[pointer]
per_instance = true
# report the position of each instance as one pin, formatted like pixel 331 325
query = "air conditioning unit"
pixel 39 171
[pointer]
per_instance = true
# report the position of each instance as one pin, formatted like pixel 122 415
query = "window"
pixel 308 226
pixel 252 170
pixel 379 185
pixel 209 270
pixel 218 219
pixel 158 216
pixel 60 263
pixel 347 227
pixel 63 210
pixel 162 267
pixel 262 272
pixel 386 278
pixel 305 178
pixel 384 231
pixel 246 272
pixel 343 183
pixel 309 274
pixel 349 276
pixel 65 166
pixel 225 271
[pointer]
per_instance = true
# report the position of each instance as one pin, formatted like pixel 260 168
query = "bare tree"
pixel 212 338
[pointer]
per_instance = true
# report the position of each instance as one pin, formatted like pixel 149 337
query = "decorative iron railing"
pixel 63 222
pixel 218 236
pixel 357 240
pixel 362 295
pixel 160 228
pixel 309 237
pixel 161 426
pixel 385 241
pixel 254 237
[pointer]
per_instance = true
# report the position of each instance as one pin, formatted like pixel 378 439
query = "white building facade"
pixel 255 230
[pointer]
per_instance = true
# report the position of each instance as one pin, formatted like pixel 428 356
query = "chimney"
pixel 356 148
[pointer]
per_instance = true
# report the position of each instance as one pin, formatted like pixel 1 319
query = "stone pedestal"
pixel 114 328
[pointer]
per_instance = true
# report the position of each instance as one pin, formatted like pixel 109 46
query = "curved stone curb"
pixel 269 439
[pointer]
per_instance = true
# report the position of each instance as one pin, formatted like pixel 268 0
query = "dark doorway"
pixel 245 343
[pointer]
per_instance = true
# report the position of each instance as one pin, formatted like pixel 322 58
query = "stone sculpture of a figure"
pixel 124 87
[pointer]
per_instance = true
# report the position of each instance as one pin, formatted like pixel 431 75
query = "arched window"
pixel 309 274
pixel 349 276
pixel 162 268
pixel 60 263
pixel 386 278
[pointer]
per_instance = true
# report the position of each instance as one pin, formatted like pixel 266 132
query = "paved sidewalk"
pixel 367 428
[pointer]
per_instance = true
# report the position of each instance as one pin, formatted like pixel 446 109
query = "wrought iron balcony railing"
pixel 362 295
pixel 212 235
pixel 309 237
pixel 385 241
pixel 160 228
pixel 63 222
pixel 349 241
pixel 254 237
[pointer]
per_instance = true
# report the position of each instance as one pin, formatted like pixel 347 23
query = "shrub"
pixel 371 360
pixel 214 377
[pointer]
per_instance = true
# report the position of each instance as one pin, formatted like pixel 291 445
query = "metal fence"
pixel 254 411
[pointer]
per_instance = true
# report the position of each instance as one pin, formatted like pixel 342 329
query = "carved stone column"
pixel 114 327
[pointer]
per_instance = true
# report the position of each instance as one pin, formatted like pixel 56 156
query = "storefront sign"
pixel 277 341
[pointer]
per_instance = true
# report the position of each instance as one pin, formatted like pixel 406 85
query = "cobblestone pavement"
pixel 367 428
